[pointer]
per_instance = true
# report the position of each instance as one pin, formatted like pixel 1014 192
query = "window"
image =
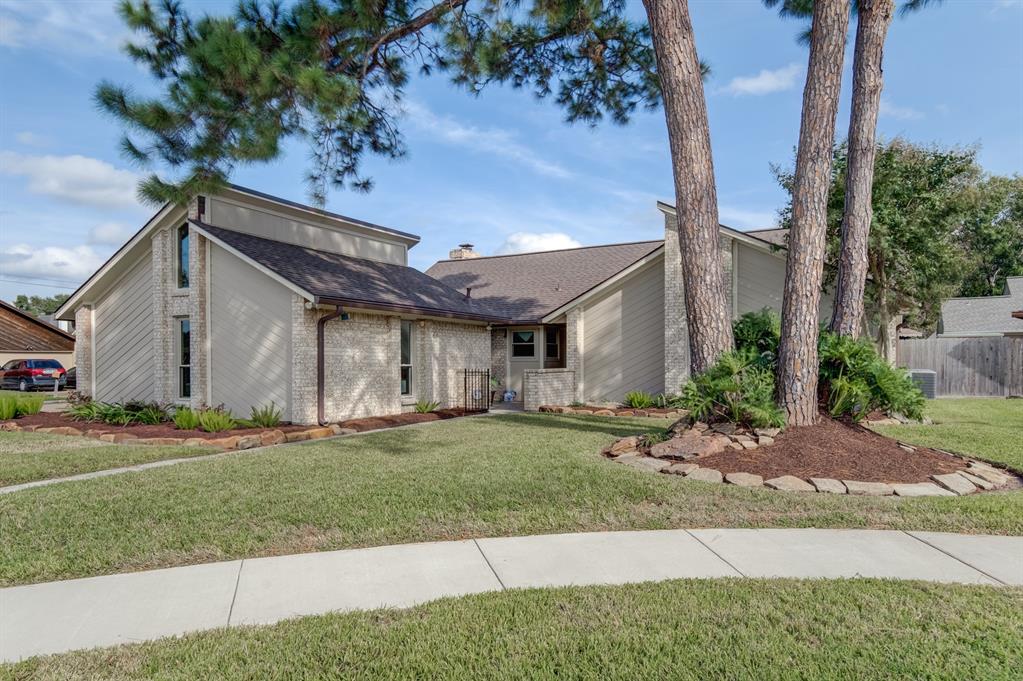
pixel 406 357
pixel 183 256
pixel 553 347
pixel 522 344
pixel 184 353
pixel 44 364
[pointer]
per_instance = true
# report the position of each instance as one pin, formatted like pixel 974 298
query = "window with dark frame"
pixel 184 359
pixel 553 346
pixel 406 357
pixel 523 344
pixel 183 256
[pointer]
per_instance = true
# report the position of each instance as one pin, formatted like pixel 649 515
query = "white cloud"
pixel 61 28
pixel 494 141
pixel 890 110
pixel 32 139
pixel 766 81
pixel 76 179
pixel 531 242
pixel 54 263
pixel 111 233
pixel 742 218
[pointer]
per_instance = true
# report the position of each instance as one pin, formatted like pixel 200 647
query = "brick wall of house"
pixel 83 349
pixel 499 355
pixel 547 386
pixel 453 348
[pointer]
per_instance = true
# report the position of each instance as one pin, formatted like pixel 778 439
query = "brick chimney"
pixel 463 252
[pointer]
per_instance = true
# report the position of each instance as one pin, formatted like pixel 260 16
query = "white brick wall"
pixel 547 386
pixel 83 350
pixel 453 348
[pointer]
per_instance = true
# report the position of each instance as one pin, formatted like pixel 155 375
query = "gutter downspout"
pixel 321 324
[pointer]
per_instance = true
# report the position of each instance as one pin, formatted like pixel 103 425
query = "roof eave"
pixel 343 301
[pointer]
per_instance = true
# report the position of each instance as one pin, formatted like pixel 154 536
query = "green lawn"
pixel 991 429
pixel 47 394
pixel 724 629
pixel 30 456
pixel 475 477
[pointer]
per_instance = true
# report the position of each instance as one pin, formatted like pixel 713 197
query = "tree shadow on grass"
pixel 582 424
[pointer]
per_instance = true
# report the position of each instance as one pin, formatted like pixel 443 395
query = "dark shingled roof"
pixel 984 315
pixel 528 286
pixel 774 235
pixel 346 280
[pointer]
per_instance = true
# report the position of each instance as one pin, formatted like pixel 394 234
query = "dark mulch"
pixel 377 422
pixel 56 420
pixel 834 449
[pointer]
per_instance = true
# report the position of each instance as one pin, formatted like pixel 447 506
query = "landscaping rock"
pixel 700 426
pixel 741 437
pixel 908 448
pixel 977 480
pixel 117 438
pixel 249 441
pixel 767 432
pixel 764 440
pixel 789 483
pixel 317 433
pixel 603 412
pixel 10 426
pixel 989 473
pixel 159 441
pixel 955 482
pixel 60 430
pixel 744 479
pixel 226 442
pixel 680 427
pixel 347 431
pixel 726 428
pixel 828 485
pixel 734 445
pixel 626 412
pixel 196 442
pixel 749 444
pixel 920 489
pixel 705 475
pixel 870 489
pixel 272 437
pixel 296 436
pixel 643 462
pixel 94 434
pixel 680 468
pixel 626 444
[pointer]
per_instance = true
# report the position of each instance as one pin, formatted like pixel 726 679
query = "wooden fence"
pixel 990 366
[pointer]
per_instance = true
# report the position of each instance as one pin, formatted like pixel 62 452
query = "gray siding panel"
pixel 760 282
pixel 123 337
pixel 250 336
pixel 623 337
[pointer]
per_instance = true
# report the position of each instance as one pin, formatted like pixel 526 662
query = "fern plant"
pixel 637 399
pixel 215 420
pixel 737 389
pixel 426 406
pixel 855 380
pixel 268 416
pixel 760 331
pixel 185 418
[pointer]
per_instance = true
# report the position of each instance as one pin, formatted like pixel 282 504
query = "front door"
pixel 525 352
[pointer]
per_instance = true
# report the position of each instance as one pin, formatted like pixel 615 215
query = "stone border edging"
pixel 652 412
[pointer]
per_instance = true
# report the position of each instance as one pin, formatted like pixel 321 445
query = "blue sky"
pixel 502 170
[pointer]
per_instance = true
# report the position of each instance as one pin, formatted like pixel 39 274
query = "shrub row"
pixel 12 407
pixel 209 419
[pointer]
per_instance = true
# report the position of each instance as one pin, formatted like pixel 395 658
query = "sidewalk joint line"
pixel 955 558
pixel 487 561
pixel 234 596
pixel 719 556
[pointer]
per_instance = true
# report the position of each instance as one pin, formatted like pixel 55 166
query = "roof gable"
pixel 24 332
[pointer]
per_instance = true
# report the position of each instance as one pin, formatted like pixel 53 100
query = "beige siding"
pixel 123 337
pixel 270 225
pixel 760 281
pixel 250 337
pixel 623 337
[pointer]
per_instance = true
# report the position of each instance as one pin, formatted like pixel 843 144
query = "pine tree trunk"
pixel 678 67
pixel 871 29
pixel 804 267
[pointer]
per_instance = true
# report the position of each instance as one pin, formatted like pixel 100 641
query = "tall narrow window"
pixel 184 353
pixel 406 357
pixel 183 256
pixel 553 350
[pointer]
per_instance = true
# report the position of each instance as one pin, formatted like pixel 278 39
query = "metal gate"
pixel 476 390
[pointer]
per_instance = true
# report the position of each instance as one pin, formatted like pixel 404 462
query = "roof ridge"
pixel 553 250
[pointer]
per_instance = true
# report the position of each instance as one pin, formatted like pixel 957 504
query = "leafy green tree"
pixel 993 235
pixel 922 199
pixel 40 305
pixel 332 72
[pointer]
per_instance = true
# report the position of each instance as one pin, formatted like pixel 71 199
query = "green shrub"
pixel 759 331
pixel 426 406
pixel 637 399
pixel 84 411
pixel 737 389
pixel 855 380
pixel 8 407
pixel 268 416
pixel 148 413
pixel 185 418
pixel 28 405
pixel 216 420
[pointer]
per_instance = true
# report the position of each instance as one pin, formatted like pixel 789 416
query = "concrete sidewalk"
pixel 54 617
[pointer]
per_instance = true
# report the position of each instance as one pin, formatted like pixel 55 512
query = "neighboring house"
pixel 242 299
pixel 25 336
pixel 985 315
pixel 592 323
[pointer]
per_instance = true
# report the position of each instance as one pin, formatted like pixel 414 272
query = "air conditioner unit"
pixel 926 380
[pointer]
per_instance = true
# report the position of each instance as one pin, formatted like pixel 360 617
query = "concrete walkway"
pixel 99 611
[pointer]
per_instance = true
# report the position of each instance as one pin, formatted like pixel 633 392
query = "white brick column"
pixel 163 338
pixel 574 351
pixel 676 334
pixel 303 361
pixel 83 350
pixel 197 290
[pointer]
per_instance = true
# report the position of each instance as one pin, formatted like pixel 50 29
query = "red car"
pixel 32 374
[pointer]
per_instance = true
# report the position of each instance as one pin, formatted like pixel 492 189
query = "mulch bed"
pixel 834 449
pixel 377 422
pixel 57 420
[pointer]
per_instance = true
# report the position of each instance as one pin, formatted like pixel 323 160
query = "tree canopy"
pixel 332 72
pixel 40 305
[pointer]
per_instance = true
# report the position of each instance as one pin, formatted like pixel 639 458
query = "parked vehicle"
pixel 71 382
pixel 32 374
